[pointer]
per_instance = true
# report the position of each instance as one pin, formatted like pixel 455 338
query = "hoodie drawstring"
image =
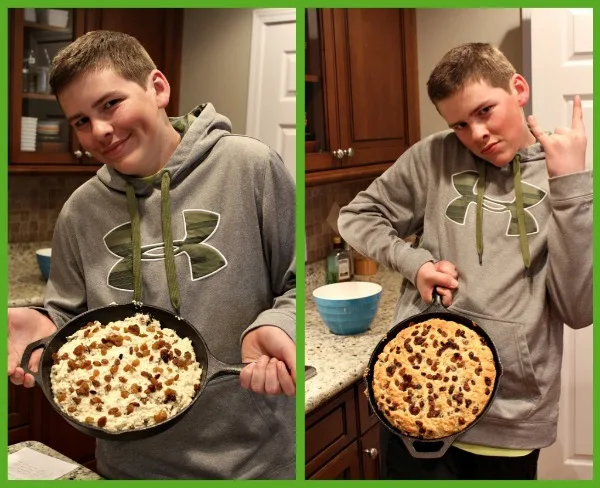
pixel 481 167
pixel 521 212
pixel 167 237
pixel 524 242
pixel 165 205
pixel 136 245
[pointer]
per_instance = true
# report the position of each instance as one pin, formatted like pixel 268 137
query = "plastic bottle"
pixel 339 263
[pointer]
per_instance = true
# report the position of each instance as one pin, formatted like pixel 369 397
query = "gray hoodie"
pixel 432 190
pixel 239 275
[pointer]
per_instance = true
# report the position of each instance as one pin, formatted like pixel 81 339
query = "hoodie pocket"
pixel 518 393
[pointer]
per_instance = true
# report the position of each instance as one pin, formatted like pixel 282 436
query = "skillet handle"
pixel 436 303
pixel 27 356
pixel 218 368
pixel 429 453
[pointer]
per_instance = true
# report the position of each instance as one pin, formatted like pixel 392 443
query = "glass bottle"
pixel 31 66
pixel 338 263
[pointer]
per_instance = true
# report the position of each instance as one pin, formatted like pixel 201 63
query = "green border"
pixel 300 210
pixel 300 240
pixel 4 221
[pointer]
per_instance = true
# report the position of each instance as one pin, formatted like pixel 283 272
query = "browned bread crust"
pixel 434 378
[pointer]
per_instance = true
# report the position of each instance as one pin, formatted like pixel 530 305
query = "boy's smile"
pixel 119 123
pixel 489 121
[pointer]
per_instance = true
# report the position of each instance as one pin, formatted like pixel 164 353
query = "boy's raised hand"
pixel 442 275
pixel 565 149
pixel 272 357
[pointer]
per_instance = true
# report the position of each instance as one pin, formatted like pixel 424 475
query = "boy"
pixel 231 273
pixel 505 213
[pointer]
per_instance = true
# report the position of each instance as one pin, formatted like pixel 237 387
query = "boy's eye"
pixel 80 122
pixel 459 126
pixel 111 103
pixel 486 110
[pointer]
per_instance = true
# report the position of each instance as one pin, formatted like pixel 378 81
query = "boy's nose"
pixel 480 133
pixel 101 129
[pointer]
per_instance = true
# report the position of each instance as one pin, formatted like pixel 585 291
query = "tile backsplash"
pixel 34 202
pixel 319 200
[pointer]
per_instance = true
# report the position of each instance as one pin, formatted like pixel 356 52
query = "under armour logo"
pixel 203 259
pixel 466 185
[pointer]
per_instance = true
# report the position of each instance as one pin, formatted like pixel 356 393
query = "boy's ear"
pixel 521 89
pixel 158 83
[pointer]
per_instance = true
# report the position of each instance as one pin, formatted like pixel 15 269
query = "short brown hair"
pixel 475 61
pixel 99 50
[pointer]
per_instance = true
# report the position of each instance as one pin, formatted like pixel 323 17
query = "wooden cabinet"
pixel 40 139
pixel 342 438
pixel 361 91
pixel 31 417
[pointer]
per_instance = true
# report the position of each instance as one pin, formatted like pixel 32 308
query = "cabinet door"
pixel 329 429
pixel 38 132
pixel 369 453
pixel 19 413
pixel 345 466
pixel 375 52
pixel 159 30
pixel 366 416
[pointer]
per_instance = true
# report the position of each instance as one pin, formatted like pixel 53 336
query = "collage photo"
pixel 197 291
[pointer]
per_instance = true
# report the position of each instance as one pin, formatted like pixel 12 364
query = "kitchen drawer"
pixel 344 466
pixel 366 416
pixel 330 429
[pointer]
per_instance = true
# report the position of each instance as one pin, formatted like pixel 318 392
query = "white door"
pixel 272 91
pixel 558 50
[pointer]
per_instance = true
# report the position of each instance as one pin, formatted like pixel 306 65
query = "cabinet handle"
pixel 88 154
pixel 372 452
pixel 349 152
pixel 339 154
pixel 78 154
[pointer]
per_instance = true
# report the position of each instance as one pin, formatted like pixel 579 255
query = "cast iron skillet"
pixel 428 448
pixel 211 367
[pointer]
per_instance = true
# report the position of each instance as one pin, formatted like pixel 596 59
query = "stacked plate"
pixel 48 130
pixel 28 130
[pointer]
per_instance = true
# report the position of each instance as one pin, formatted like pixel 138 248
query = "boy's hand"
pixel 565 149
pixel 25 326
pixel 272 355
pixel 442 275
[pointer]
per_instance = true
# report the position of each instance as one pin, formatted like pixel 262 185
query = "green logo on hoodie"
pixel 466 185
pixel 203 259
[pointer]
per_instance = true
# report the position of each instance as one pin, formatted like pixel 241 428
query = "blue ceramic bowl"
pixel 43 258
pixel 348 308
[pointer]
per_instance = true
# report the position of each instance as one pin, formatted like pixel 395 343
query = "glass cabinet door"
pixel 314 116
pixel 39 132
pixel 320 119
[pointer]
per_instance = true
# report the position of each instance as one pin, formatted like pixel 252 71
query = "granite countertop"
pixel 25 283
pixel 79 473
pixel 341 360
